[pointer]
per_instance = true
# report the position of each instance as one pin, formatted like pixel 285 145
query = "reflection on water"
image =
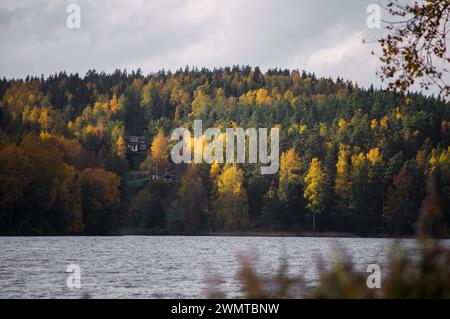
pixel 162 267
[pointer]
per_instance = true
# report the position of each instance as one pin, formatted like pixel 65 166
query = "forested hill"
pixel 359 160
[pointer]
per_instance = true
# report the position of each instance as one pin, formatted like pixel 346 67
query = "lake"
pixel 164 266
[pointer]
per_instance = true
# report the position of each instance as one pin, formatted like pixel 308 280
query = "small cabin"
pixel 137 145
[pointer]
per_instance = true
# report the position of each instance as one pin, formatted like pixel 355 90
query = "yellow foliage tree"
pixel 289 173
pixel 374 124
pixel 231 205
pixel 342 125
pixel 262 97
pixel 159 150
pixel 200 104
pixel 374 156
pixel 384 122
pixel 120 148
pixel 343 183
pixel 114 104
pixel 214 172
pixel 314 190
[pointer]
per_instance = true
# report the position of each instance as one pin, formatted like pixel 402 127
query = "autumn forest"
pixel 352 160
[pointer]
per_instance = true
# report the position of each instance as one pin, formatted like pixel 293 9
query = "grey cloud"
pixel 174 33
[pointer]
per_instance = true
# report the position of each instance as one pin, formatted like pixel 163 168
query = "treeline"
pixel 352 160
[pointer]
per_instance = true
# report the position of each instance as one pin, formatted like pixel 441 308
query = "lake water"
pixel 163 266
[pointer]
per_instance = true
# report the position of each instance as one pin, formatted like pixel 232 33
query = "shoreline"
pixel 275 234
pixel 280 234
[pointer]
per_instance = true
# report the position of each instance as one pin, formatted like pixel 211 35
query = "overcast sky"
pixel 321 36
